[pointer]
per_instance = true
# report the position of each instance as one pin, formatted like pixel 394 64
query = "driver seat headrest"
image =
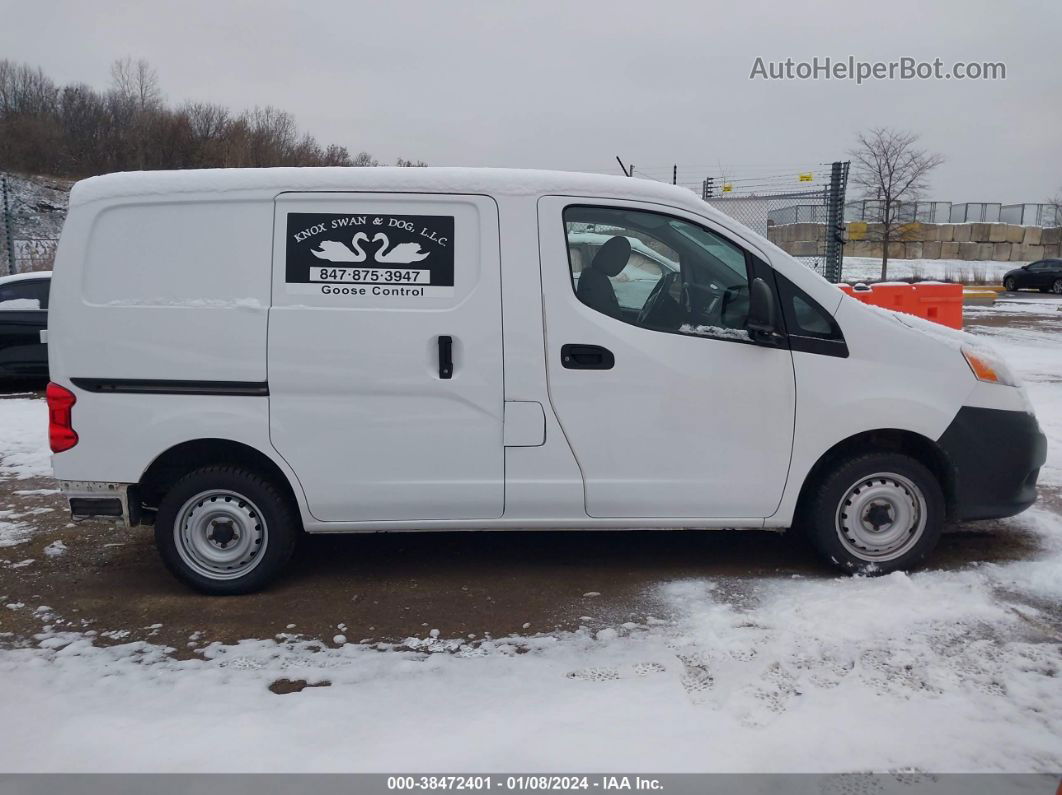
pixel 613 256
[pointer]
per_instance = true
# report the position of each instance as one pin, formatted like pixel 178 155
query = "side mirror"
pixel 763 313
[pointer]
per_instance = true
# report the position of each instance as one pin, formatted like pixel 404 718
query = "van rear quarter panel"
pixel 174 289
pixel 153 274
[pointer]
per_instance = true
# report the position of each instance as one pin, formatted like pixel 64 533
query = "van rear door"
pixel 385 357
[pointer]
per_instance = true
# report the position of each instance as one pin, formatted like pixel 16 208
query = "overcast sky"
pixel 572 85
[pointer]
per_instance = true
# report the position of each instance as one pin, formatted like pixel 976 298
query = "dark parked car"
pixel 1045 276
pixel 23 318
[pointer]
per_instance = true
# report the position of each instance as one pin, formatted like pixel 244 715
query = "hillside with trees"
pixel 75 130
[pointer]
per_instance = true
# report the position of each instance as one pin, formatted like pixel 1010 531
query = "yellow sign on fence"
pixel 807 177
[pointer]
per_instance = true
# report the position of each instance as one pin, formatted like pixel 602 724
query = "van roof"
pixel 265 181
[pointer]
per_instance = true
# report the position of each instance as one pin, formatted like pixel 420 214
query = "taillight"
pixel 61 434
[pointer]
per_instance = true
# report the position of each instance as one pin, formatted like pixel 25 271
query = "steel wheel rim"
pixel 220 534
pixel 881 517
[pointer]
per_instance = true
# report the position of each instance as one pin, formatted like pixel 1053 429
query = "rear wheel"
pixel 1009 284
pixel 875 513
pixel 225 530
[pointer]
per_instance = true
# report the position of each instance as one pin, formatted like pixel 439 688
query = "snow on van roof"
pixel 502 181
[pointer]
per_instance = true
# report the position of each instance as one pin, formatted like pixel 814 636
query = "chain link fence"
pixel 926 212
pixel 32 254
pixel 1043 215
pixel 809 224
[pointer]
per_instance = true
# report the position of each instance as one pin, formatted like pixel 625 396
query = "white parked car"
pixel 240 356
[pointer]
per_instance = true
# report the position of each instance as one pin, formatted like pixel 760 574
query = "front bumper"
pixel 90 499
pixel 996 457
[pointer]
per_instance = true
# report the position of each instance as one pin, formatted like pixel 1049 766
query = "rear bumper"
pixel 89 499
pixel 996 457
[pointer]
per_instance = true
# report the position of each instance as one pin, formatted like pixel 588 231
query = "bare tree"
pixel 892 170
pixel 136 81
pixel 25 90
pixel 136 97
pixel 76 130
pixel 336 155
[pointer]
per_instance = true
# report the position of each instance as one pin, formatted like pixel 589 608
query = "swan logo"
pixel 370 255
pixel 387 253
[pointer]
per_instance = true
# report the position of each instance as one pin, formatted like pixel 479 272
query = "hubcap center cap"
pixel 222 532
pixel 879 515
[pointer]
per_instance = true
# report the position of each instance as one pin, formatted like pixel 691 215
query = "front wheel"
pixel 875 513
pixel 1009 285
pixel 225 530
pixel 1056 288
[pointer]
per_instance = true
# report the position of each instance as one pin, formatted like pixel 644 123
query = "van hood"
pixel 943 335
pixel 953 338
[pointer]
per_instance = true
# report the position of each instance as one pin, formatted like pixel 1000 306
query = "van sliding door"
pixel 385 357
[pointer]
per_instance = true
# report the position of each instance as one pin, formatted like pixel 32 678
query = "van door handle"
pixel 446 357
pixel 587 357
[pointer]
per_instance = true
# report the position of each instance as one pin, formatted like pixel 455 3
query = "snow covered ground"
pixel 24 449
pixel 869 268
pixel 941 670
pixel 23 454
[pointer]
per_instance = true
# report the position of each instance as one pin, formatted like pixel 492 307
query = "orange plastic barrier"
pixel 936 301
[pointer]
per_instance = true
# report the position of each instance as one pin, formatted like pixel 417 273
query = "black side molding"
pixel 147 386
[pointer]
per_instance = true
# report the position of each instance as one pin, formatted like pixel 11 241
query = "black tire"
pixel 1056 288
pixel 900 479
pixel 1008 285
pixel 271 520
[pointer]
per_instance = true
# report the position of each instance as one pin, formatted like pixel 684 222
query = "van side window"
pixel 657 271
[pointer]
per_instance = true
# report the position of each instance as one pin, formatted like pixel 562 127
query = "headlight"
pixel 987 366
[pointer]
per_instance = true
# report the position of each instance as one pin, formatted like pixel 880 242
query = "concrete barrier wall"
pixel 976 241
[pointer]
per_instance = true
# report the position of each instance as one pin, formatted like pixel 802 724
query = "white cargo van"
pixel 241 356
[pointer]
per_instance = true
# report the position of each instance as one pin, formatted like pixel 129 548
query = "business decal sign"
pixel 370 255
